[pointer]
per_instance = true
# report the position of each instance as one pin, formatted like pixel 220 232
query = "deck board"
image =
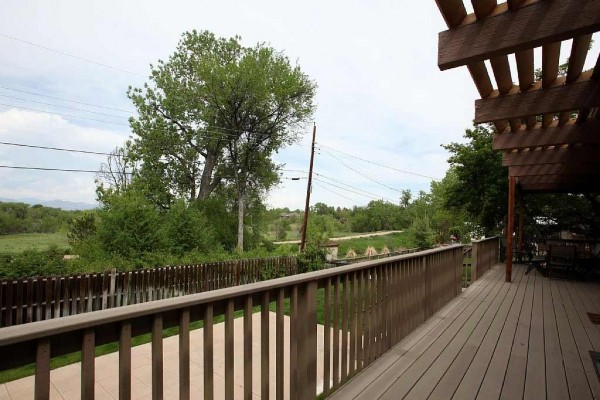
pixel 535 376
pixel 470 365
pixel 556 379
pixel 514 380
pixel 582 340
pixel 409 365
pixel 441 353
pixel 529 339
pixel 407 351
pixel 491 387
pixel 470 335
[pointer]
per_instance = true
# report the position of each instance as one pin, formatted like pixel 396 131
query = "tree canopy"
pixel 212 116
pixel 480 187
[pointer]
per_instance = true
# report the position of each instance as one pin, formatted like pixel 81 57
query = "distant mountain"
pixel 65 205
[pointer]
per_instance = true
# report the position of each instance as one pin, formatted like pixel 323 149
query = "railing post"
pixel 474 263
pixel 306 335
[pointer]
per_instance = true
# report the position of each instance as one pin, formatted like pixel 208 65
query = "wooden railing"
pixel 39 298
pixel 467 260
pixel 484 255
pixel 366 307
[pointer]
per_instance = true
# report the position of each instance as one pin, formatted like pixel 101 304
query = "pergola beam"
pixel 560 179
pixel 586 133
pixel 583 155
pixel 531 26
pixel 581 94
pixel 559 188
pixel 563 169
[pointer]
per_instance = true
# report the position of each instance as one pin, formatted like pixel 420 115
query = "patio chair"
pixel 561 261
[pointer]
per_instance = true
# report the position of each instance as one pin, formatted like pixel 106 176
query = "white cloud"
pixel 43 129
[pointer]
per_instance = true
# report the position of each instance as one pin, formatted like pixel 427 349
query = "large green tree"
pixel 480 186
pixel 212 115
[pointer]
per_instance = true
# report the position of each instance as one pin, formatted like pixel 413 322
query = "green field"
pixel 393 242
pixel 28 241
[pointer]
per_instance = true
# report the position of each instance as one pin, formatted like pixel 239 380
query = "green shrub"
pixel 130 226
pixel 33 263
pixel 312 259
pixel 422 234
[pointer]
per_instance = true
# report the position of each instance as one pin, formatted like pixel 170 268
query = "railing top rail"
pixel 485 239
pixel 28 332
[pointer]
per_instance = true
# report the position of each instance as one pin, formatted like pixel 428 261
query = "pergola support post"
pixel 520 239
pixel 510 227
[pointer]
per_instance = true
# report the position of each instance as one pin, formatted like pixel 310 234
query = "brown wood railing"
pixel 39 298
pixel 367 308
pixel 484 255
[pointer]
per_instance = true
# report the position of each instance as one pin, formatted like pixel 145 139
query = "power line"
pixel 222 134
pixel 56 169
pixel 334 192
pixel 66 107
pixel 67 100
pixel 352 191
pixel 55 148
pixel 380 165
pixel 363 175
pixel 345 184
pixel 95 171
pixel 366 193
pixel 63 115
pixel 71 55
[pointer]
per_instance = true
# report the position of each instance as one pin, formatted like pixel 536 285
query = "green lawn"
pixel 27 241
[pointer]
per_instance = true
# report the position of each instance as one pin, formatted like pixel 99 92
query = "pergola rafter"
pixel 534 24
pixel 554 135
pixel 548 129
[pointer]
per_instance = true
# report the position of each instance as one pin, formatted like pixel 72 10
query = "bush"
pixel 422 233
pixel 33 263
pixel 187 229
pixel 130 226
pixel 312 259
pixel 81 229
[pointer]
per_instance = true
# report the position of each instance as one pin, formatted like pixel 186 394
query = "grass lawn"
pixel 27 241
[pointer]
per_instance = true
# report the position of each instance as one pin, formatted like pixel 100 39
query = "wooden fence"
pixel 40 298
pixel 484 255
pixel 366 309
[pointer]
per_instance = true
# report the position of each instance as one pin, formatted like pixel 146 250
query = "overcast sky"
pixel 381 96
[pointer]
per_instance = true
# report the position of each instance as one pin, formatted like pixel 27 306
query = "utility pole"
pixel 308 190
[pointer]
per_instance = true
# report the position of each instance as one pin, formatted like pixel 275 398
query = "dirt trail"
pixel 362 235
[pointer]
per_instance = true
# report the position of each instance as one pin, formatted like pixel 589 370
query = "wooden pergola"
pixel 548 129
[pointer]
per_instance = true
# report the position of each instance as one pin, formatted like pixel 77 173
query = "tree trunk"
pixel 206 186
pixel 240 235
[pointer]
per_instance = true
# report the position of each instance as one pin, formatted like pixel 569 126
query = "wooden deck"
pixel 530 339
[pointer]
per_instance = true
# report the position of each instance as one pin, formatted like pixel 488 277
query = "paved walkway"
pixel 65 381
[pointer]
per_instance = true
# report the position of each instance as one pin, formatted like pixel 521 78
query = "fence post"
pixel 306 335
pixel 111 299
